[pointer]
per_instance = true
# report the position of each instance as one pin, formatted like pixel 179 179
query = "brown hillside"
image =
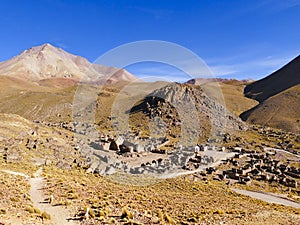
pixel 35 102
pixel 279 94
pixel 284 78
pixel 234 98
pixel 232 92
pixel 281 111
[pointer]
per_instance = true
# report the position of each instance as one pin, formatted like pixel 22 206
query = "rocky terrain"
pixel 125 152
pixel 192 110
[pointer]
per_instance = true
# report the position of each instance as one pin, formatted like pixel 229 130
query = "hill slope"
pixel 232 91
pixel 190 107
pixel 235 101
pixel 284 78
pixel 279 96
pixel 280 111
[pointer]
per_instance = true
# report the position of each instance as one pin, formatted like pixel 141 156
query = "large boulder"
pixel 125 149
pixel 113 146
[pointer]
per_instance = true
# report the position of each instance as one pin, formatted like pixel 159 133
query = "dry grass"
pixel 233 92
pixel 172 201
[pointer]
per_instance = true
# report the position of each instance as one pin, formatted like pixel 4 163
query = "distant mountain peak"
pixel 45 46
pixel 47 61
pixel 41 48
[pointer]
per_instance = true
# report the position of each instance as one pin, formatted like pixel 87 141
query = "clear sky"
pixel 237 39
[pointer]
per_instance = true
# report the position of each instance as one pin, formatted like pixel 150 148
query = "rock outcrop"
pixel 192 108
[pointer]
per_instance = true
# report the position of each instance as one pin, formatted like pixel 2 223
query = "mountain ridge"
pixel 279 97
pixel 280 80
pixel 46 62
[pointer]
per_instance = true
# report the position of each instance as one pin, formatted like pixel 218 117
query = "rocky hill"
pixel 192 108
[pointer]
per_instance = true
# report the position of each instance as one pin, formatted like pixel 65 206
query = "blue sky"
pixel 237 39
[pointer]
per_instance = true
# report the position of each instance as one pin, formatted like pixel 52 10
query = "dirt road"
pixel 268 197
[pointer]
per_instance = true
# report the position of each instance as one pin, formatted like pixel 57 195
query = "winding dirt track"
pixel 59 214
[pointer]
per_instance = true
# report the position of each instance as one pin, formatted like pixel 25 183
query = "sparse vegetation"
pixel 170 200
pixel 50 143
